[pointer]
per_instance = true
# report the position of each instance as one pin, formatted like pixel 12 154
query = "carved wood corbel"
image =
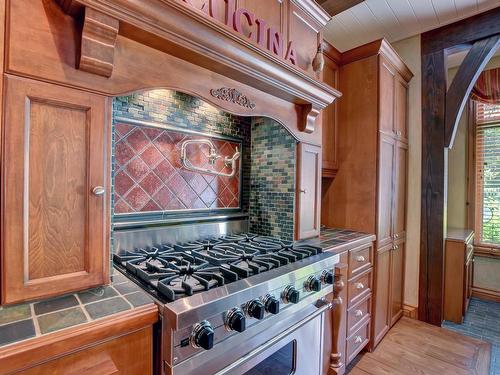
pixel 98 43
pixel 309 116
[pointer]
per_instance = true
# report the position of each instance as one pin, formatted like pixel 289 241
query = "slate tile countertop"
pixel 35 319
pixel 339 240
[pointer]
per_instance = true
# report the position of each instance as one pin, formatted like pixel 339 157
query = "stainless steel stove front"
pixel 296 329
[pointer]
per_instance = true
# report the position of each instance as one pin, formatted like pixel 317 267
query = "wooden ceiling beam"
pixel 334 7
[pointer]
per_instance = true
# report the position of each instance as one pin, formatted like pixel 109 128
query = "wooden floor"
pixel 413 347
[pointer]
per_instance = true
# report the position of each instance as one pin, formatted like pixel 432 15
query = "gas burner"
pixel 139 257
pixel 243 259
pixel 205 244
pixel 241 237
pixel 174 280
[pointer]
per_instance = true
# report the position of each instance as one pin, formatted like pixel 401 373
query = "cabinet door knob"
pixel 360 258
pixel 359 286
pixel 358 340
pixel 98 190
pixel 358 313
pixel 303 191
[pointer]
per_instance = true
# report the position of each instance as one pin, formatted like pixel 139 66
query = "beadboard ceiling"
pixel 397 19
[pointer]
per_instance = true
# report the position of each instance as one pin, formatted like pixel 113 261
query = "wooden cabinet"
pixel 382 292
pixel 308 191
pixel 459 254
pixel 350 322
pixel 329 114
pixel 369 190
pixel 55 170
pixel 129 354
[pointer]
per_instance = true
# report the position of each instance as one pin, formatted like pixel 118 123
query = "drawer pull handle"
pixel 303 191
pixel 358 340
pixel 360 258
pixel 359 286
pixel 358 313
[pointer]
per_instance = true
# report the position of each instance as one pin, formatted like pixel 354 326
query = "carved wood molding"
pixel 98 43
pixel 233 96
pixel 336 361
pixel 183 32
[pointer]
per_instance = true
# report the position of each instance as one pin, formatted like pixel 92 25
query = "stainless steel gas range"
pixel 231 302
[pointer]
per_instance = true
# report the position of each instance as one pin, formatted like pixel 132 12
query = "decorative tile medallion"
pixel 151 177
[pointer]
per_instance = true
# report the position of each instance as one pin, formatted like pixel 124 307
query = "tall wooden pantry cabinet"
pixel 369 190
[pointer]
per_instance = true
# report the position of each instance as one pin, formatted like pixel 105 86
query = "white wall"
pixel 409 50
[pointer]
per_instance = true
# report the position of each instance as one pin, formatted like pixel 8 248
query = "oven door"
pixel 298 350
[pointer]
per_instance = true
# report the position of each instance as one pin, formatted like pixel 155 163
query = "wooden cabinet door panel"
pixel 386 107
pixel 305 35
pixel 397 281
pixel 308 191
pixel 329 122
pixel 385 190
pixel 400 178
pixel 380 318
pixel 401 108
pixel 55 235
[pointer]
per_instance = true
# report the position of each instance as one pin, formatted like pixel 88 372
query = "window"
pixel 487 220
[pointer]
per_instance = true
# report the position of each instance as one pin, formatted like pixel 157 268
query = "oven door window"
pixel 281 362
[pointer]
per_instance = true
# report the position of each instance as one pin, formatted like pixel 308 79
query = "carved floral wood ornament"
pixel 233 96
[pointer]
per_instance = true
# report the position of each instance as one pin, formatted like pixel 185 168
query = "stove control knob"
pixel 313 284
pixel 290 295
pixel 255 309
pixel 327 277
pixel 272 304
pixel 235 320
pixel 202 336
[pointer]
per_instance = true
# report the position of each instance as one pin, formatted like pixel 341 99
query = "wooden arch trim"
pixel 463 83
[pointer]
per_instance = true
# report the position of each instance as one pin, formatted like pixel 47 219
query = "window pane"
pixel 489 175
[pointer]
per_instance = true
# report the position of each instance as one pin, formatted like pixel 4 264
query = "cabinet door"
pixel 399 204
pixel 387 78
pixel 397 281
pixel 329 123
pixel 55 236
pixel 385 190
pixel 401 108
pixel 380 319
pixel 308 190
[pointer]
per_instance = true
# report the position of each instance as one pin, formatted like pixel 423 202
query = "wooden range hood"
pixel 202 51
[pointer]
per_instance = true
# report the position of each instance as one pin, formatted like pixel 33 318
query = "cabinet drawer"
pixel 358 313
pixel 359 287
pixel 360 259
pixel 358 340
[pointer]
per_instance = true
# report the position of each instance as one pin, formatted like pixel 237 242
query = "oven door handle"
pixel 274 340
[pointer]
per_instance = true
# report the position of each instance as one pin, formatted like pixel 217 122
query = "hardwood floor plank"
pixel 413 347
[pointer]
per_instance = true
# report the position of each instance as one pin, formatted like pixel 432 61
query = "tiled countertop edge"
pixel 24 354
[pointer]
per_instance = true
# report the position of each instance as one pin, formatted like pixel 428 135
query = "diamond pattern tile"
pixel 150 177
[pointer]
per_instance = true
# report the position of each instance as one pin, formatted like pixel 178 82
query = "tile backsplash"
pixel 148 176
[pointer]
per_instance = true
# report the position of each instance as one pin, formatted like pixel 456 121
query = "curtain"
pixel 487 88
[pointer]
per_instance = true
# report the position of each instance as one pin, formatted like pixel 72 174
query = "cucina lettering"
pixel 239 19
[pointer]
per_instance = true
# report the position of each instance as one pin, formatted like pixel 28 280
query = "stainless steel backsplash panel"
pixel 129 239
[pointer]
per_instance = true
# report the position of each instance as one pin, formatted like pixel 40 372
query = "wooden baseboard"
pixel 410 311
pixel 486 294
